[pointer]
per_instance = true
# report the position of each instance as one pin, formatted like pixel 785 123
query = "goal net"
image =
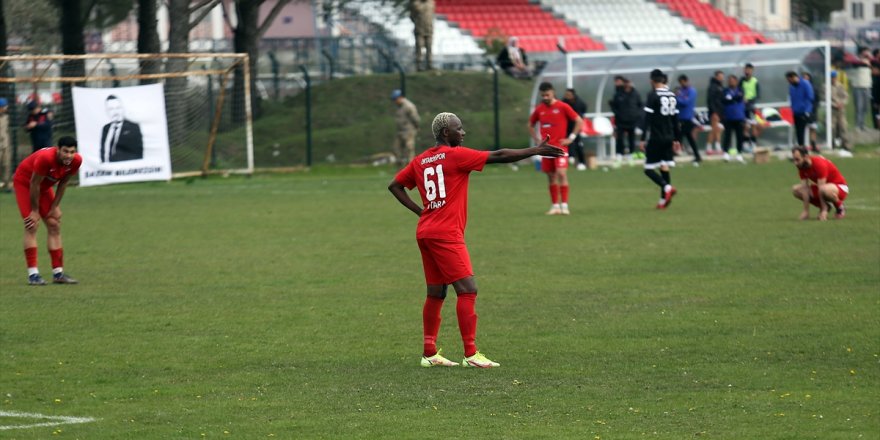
pixel 209 118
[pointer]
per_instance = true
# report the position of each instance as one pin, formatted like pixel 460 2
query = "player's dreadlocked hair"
pixel 441 121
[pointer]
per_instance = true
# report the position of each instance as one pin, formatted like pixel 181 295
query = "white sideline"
pixel 55 420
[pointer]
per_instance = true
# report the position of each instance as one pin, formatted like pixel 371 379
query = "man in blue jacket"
pixel 734 117
pixel 801 95
pixel 686 97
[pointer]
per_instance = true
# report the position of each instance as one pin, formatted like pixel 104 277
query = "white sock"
pixel 57 270
pixel 565 206
pixel 557 206
pixel 33 271
pixel 662 202
pixel 667 188
pixel 718 146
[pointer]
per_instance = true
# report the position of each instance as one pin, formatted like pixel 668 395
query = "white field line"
pixel 53 420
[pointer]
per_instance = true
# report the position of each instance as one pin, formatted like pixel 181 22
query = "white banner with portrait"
pixel 122 134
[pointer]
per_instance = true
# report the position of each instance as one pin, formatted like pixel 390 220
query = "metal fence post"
pixel 495 106
pixel 329 61
pixel 308 115
pixel 275 69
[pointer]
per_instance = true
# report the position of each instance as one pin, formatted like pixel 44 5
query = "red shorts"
pixel 842 192
pixel 23 197
pixel 444 261
pixel 551 164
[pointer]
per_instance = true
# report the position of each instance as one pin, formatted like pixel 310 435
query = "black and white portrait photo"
pixel 122 133
pixel 121 139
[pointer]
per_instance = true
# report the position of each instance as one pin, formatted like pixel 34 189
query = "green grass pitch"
pixel 289 307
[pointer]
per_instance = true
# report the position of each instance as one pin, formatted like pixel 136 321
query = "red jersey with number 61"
pixel 441 173
pixel 822 168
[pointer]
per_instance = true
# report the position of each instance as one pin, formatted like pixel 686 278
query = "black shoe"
pixel 36 280
pixel 62 278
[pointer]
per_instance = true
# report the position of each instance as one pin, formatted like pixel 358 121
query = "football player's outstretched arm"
pixel 506 155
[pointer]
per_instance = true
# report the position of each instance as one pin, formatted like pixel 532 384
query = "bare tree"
pixel 72 27
pixel 183 16
pixel 5 89
pixel 148 37
pixel 246 37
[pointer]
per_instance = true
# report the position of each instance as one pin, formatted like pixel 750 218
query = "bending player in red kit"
pixel 34 180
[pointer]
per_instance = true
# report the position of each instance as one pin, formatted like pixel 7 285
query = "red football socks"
pixel 57 257
pixel 30 256
pixel 467 321
pixel 564 190
pixel 554 193
pixel 431 323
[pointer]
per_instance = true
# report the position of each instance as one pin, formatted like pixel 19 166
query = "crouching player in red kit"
pixel 821 185
pixel 441 175
pixel 33 182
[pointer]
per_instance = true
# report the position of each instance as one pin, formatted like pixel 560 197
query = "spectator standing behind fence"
pixel 751 94
pixel 407 118
pixel 39 125
pixel 860 80
pixel 686 101
pixel 715 104
pixel 875 88
pixel 800 94
pixel 628 108
pixel 814 120
pixel 513 60
pixel 421 12
pixel 577 145
pixel 5 146
pixel 839 99
pixel 734 118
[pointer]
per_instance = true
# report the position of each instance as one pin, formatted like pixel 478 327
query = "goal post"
pixel 210 131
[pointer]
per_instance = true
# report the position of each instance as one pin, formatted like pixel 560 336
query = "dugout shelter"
pixel 592 74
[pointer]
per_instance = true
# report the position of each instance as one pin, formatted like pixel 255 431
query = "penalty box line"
pixel 52 420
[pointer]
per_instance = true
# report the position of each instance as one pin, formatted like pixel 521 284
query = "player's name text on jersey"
pixel 434 158
pixel 436 204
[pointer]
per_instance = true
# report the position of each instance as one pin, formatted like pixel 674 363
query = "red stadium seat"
pixel 786 114
pixel 714 21
pixel 515 18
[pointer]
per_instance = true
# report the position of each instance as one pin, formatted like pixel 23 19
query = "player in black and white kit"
pixel 663 134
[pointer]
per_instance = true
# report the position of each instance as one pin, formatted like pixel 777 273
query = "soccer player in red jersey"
pixel 34 181
pixel 553 116
pixel 441 175
pixel 828 186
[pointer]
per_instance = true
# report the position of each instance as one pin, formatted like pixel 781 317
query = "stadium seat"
pixel 635 21
pixel 538 30
pixel 787 115
pixel 714 21
pixel 448 41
